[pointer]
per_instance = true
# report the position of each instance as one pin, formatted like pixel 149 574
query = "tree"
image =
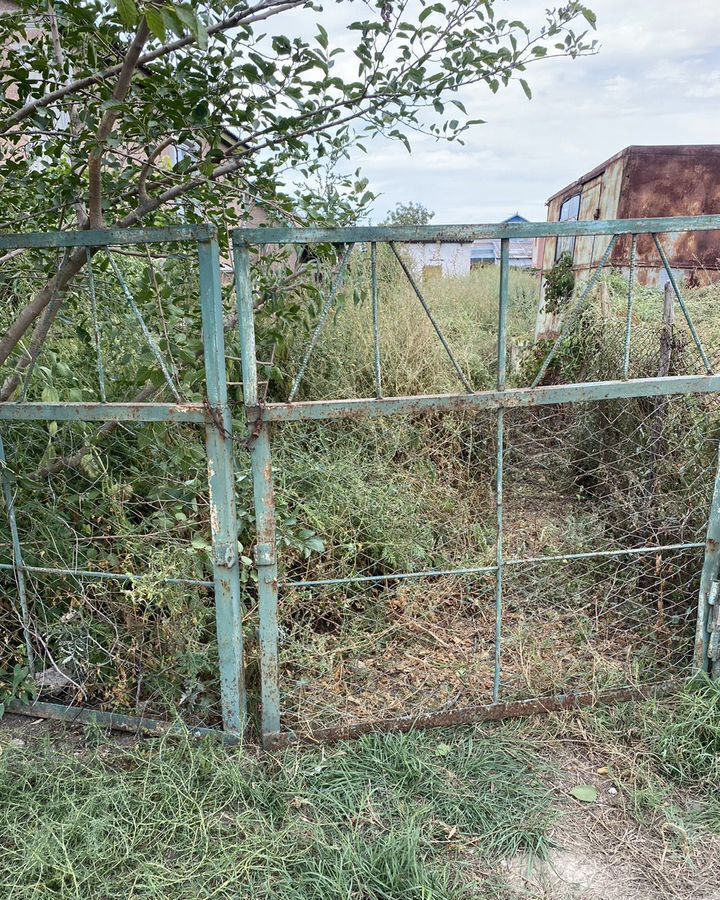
pixel 409 214
pixel 98 91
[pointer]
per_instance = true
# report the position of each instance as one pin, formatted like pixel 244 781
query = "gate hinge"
pixel 264 554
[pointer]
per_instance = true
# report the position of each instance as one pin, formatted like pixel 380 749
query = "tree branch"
pixel 27 362
pixel 108 123
pixel 75 124
pixel 147 165
pixel 261 11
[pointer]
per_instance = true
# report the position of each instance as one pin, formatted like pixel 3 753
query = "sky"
pixel 655 80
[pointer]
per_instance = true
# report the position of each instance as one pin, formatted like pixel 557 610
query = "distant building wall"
pixel 487 253
pixel 436 259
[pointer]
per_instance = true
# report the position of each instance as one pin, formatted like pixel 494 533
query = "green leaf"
pixel 443 750
pixel 201 34
pixel 586 793
pixel 49 395
pixel 173 22
pixel 156 23
pixel 526 88
pixel 187 16
pixel 322 37
pixel 127 12
pixel 590 16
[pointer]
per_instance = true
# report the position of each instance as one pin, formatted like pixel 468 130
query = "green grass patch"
pixel 383 818
pixel 665 756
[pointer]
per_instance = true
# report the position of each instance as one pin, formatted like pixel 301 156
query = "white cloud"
pixel 655 80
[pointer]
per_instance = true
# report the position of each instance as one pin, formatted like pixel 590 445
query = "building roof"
pixel 637 150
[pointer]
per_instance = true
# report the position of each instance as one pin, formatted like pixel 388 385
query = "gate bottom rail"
pixel 465 715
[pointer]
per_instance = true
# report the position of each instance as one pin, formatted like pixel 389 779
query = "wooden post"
pixel 604 294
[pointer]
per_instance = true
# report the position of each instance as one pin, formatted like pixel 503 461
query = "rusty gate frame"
pixel 214 414
pixel 217 418
pixel 261 416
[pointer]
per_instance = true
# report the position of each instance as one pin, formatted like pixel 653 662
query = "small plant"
pixel 559 283
pixel 16 685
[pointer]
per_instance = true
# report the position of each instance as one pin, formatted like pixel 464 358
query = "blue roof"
pixel 516 218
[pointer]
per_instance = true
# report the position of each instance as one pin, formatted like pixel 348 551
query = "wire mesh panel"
pixel 579 625
pixel 120 563
pixel 364 631
pixel 118 557
pixel 593 455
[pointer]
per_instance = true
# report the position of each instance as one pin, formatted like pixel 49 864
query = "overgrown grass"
pixel 384 818
pixel 665 756
pixel 423 816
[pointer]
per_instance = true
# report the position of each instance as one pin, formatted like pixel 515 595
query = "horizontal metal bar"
pixel 418 234
pixel 106 576
pixel 511 399
pixel 469 715
pixel 466 715
pixel 359 579
pixel 107 237
pixel 79 715
pixel 597 554
pixel 396 576
pixel 104 412
pixel 486 570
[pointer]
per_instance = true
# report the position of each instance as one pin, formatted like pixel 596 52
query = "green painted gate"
pixel 528 424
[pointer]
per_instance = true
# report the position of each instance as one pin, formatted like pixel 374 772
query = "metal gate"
pixel 629 593
pixel 658 646
pixel 209 414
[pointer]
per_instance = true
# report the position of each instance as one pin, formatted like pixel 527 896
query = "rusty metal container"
pixel 641 182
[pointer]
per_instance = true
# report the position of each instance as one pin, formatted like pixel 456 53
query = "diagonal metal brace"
pixel 683 307
pixel 575 313
pixel 151 342
pixel 461 375
pixel 337 284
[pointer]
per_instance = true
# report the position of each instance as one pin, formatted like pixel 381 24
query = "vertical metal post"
pixel 96 327
pixel 708 618
pixel 261 460
pixel 376 319
pixel 501 384
pixel 630 301
pixel 218 439
pixel 17 558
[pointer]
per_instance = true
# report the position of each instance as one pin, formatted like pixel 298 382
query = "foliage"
pixel 178 819
pixel 281 106
pixel 409 214
pixel 16 685
pixel 559 284
pixel 687 747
